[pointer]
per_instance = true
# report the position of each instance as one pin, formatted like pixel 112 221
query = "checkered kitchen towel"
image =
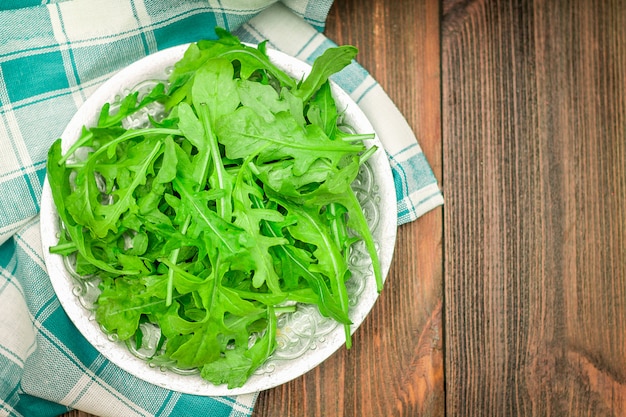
pixel 52 57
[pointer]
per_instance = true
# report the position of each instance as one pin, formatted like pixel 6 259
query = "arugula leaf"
pixel 235 366
pixel 137 165
pixel 221 238
pixel 294 263
pixel 312 229
pixel 262 97
pixel 250 217
pixel 59 177
pixel 215 87
pixel 119 313
pixel 219 217
pixel 245 132
pixel 130 105
pixel 167 169
pixel 330 62
pixel 249 59
pixel 322 110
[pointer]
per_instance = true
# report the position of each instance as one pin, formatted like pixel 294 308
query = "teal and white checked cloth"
pixel 52 57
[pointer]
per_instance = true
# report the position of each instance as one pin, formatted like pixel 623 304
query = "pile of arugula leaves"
pixel 221 215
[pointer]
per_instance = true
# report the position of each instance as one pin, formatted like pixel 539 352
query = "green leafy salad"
pixel 228 210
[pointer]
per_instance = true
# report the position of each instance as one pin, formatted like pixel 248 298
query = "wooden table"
pixel 511 299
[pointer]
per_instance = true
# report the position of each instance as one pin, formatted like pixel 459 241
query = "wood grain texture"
pixel 534 131
pixel 395 367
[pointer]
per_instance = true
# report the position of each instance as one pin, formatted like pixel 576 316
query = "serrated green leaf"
pixel 235 203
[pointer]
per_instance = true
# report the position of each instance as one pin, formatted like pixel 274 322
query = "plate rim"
pixel 50 224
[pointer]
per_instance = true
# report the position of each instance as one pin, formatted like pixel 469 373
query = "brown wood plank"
pixel 395 367
pixel 534 131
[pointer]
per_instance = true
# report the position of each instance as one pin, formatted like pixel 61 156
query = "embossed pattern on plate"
pixel 305 338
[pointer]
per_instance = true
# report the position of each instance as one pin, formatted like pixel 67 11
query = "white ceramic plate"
pixel 305 338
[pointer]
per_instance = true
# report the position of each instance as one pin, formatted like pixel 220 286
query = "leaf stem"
pixel 64 248
pixel 129 134
pixel 224 205
pixel 367 155
pixel 174 260
pixel 366 235
pixel 86 137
